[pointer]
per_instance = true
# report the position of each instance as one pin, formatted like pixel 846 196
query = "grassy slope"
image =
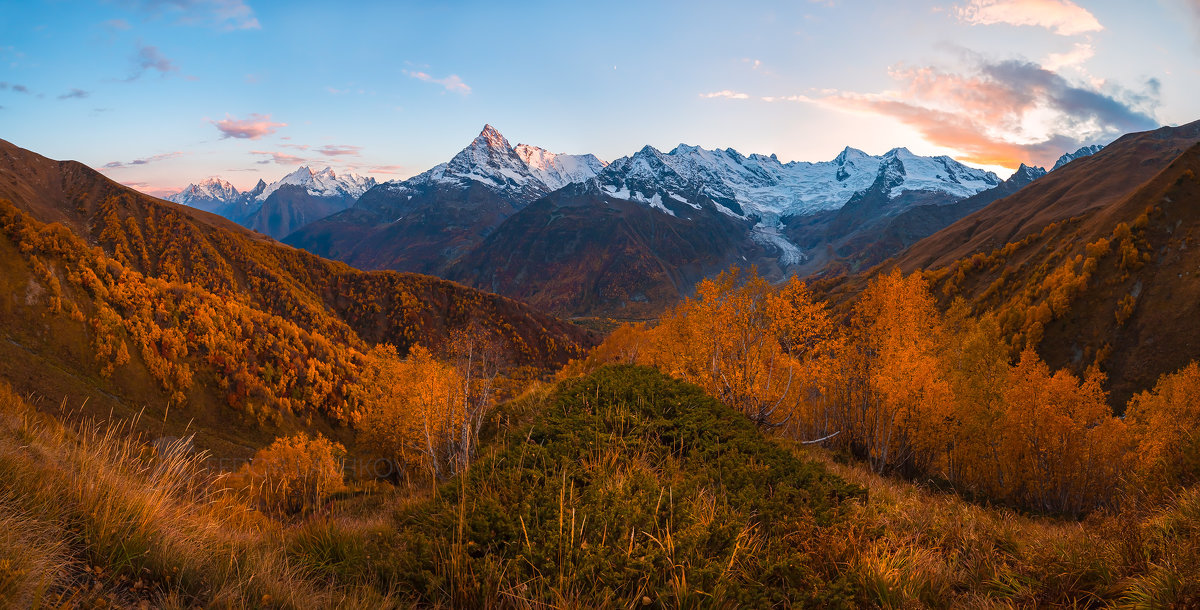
pixel 620 489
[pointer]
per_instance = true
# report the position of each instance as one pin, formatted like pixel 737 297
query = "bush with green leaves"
pixel 630 487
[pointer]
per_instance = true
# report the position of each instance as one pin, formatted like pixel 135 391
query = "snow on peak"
pixel 557 170
pixel 1086 151
pixel 207 191
pixel 939 173
pixel 488 159
pixel 762 186
pixel 491 137
pixel 325 183
pixel 524 172
pixel 847 154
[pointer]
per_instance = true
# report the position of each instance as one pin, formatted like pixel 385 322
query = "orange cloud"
pixel 252 128
pixel 1003 113
pixel 1059 16
pixel 278 157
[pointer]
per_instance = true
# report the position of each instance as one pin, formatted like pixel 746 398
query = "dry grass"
pixel 87 513
pixel 90 517
pixel 917 547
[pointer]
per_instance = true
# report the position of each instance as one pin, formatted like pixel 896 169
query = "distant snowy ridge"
pixel 214 192
pixel 206 192
pixel 558 170
pixel 1086 151
pixel 325 183
pixel 763 186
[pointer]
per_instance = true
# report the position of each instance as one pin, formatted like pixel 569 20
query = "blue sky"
pixel 159 93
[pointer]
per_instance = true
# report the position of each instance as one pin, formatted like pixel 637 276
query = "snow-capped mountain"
pixel 280 207
pixel 522 174
pixel 421 223
pixel 325 183
pixel 763 187
pixel 1086 151
pixel 208 195
pixel 766 191
pixel 558 170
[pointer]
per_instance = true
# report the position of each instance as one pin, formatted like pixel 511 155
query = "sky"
pixel 161 93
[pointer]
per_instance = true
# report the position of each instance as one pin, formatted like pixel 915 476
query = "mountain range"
pixel 577 236
pixel 281 207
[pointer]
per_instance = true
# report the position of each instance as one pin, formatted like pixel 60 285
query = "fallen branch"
pixel 821 440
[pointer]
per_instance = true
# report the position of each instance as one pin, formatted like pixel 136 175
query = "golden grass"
pixel 88 513
pixel 89 516
pixel 917 547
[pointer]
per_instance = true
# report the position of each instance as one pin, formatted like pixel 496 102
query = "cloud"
pixel 116 25
pixel 1062 17
pixel 14 87
pixel 148 58
pixel 74 94
pixel 1005 113
pixel 787 98
pixel 386 169
pixel 224 15
pixel 726 93
pixel 145 161
pixel 278 157
pixel 1195 6
pixel 335 150
pixel 251 128
pixel 1077 56
pixel 451 83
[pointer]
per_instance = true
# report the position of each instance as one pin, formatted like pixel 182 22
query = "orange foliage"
pixel 904 410
pixel 1167 422
pixel 417 411
pixel 293 474
pixel 757 348
pixel 900 385
pixel 1061 449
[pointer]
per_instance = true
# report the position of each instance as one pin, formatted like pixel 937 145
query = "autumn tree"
pixel 977 367
pixel 1166 422
pixel 747 343
pixel 412 407
pixel 1060 444
pixel 902 415
pixel 293 474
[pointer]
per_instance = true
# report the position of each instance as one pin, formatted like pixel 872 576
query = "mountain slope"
pixel 1092 264
pixel 582 251
pixel 1085 185
pixel 877 237
pixel 288 324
